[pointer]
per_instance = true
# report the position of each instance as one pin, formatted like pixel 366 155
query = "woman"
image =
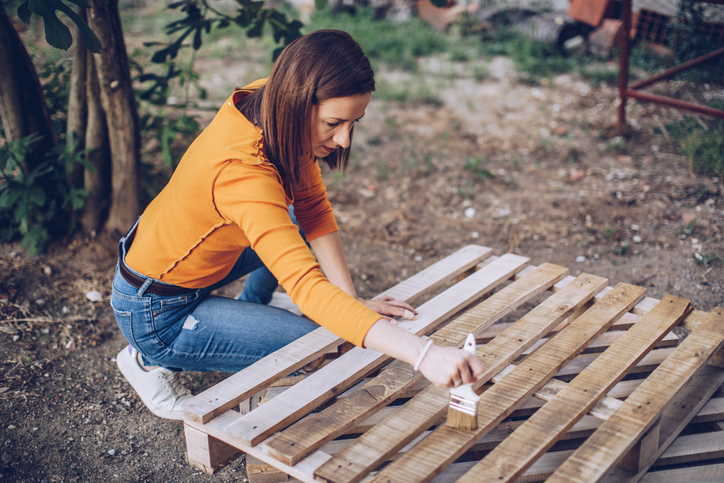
pixel 224 214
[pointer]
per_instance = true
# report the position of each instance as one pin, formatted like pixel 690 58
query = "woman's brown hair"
pixel 321 65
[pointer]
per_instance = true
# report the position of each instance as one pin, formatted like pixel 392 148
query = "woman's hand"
pixel 450 367
pixel 388 307
pixel 442 366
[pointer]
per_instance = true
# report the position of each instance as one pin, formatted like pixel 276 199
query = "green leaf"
pixel 24 12
pixel 56 33
pixel 320 4
pixel 90 39
pixel 37 195
pixel 77 198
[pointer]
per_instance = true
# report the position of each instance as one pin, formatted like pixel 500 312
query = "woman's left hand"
pixel 388 307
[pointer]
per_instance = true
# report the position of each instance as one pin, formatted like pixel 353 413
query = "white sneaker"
pixel 159 389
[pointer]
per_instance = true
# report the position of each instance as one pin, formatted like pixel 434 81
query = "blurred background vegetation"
pixel 175 96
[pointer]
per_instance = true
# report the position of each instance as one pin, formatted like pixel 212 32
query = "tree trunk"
pixel 96 182
pixel 77 106
pixel 119 105
pixel 23 108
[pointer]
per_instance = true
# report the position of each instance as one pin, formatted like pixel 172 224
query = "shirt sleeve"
pixel 253 197
pixel 311 206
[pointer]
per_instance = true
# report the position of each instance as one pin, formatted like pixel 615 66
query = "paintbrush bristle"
pixel 462 419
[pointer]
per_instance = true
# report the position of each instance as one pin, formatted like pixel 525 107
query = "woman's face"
pixel 332 121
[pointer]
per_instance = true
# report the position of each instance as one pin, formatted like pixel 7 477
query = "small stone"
pixel 40 301
pixel 474 234
pixel 577 174
pixel 580 259
pixel 65 310
pixel 48 271
pixel 9 329
pixel 635 227
pixel 94 296
pixel 112 452
pixel 16 338
pixel 637 239
pixel 469 212
pixel 11 426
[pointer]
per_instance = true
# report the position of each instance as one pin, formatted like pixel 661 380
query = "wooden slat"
pixel 345 371
pixel 428 407
pixel 446 444
pixel 242 385
pixel 542 430
pixel 312 432
pixel 693 448
pixel 616 436
pixel 698 474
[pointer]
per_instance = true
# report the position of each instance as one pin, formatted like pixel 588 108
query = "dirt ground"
pixel 499 163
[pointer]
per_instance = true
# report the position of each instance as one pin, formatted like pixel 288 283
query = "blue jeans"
pixel 197 331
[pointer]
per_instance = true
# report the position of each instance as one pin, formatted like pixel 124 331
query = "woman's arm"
pixel 330 254
pixel 442 366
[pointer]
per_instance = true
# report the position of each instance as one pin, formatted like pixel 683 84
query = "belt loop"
pixel 145 286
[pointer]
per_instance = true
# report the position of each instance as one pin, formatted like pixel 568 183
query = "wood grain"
pixel 428 407
pixel 332 379
pixel 309 434
pixel 240 386
pixel 542 430
pixel 444 445
pixel 594 458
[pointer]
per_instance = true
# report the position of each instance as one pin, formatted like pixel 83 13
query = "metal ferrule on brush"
pixel 464 399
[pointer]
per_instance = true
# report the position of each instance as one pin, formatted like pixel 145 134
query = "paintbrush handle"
pixel 469 345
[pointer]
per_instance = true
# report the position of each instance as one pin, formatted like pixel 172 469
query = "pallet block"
pixel 583 382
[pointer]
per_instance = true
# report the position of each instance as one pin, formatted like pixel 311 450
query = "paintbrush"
pixel 463 410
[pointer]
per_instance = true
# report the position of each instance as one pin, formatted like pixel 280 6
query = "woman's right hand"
pixel 450 367
pixel 442 366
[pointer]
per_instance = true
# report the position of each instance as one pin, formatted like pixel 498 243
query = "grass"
pixel 702 142
pixel 396 44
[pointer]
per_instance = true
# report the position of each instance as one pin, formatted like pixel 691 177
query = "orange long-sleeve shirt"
pixel 225 196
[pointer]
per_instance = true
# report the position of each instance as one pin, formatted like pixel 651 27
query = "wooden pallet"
pixel 583 382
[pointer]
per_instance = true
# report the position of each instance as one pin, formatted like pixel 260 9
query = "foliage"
pixel 688 37
pixel 168 121
pixel 598 75
pixel 56 33
pixel 702 142
pixel 537 60
pixel 36 203
pixel 201 17
pixel 398 44
pixel 162 119
pixel 476 166
pixel 55 79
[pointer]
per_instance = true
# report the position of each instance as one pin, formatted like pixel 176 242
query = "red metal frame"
pixel 633 91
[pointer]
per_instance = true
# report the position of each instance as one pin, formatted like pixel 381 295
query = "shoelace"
pixel 177 389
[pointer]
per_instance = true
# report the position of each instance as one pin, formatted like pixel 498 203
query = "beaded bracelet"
pixel 422 355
